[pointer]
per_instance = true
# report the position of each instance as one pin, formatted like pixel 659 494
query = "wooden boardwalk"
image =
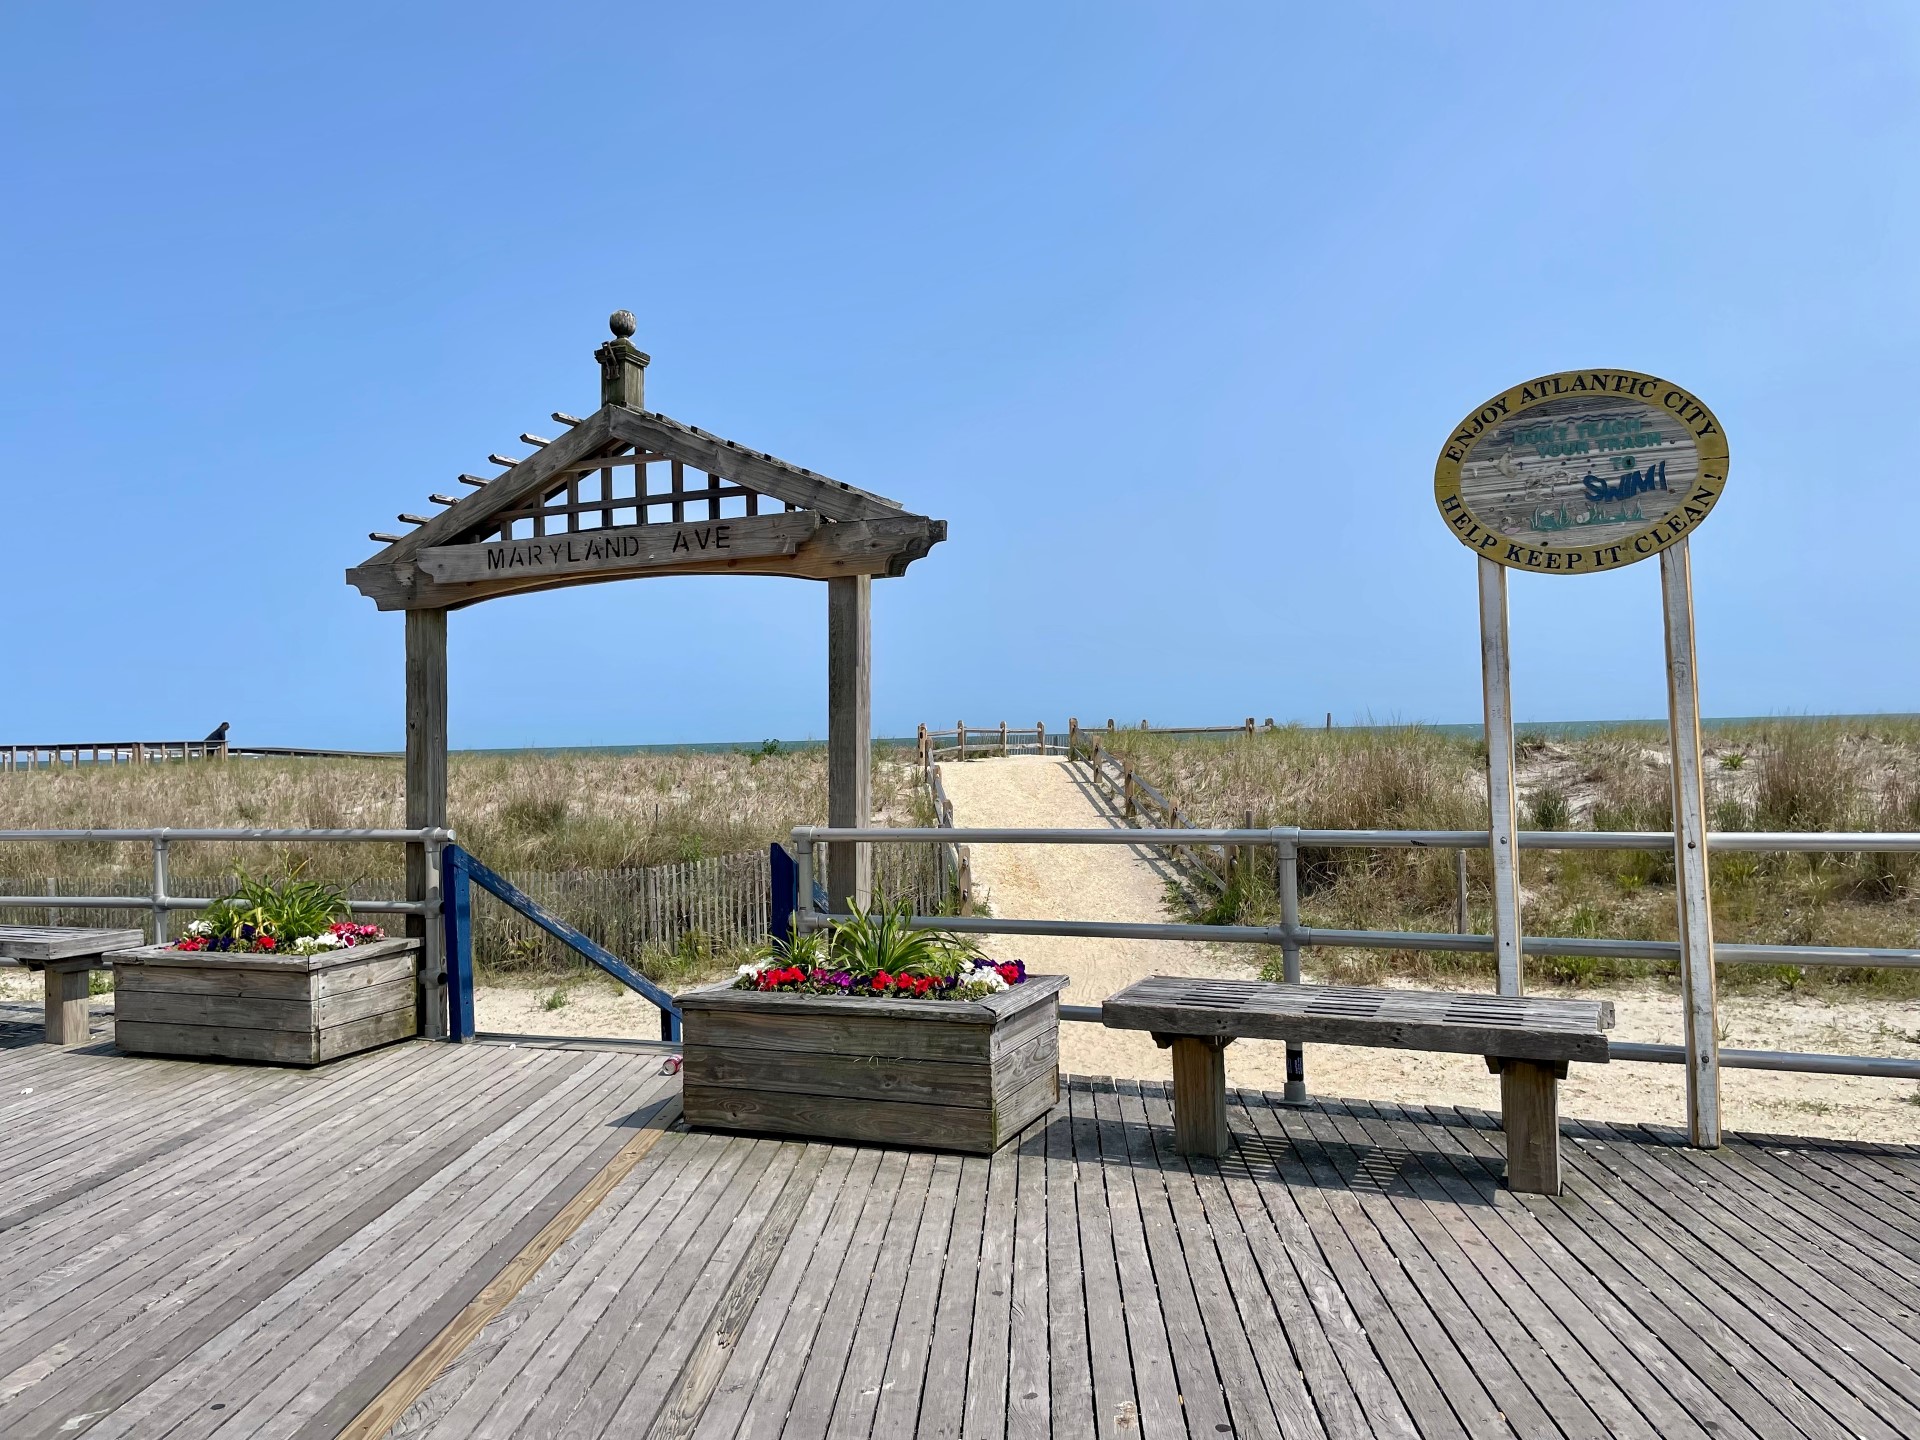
pixel 223 1251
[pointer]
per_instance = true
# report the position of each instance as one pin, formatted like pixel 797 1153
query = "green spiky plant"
pixel 288 908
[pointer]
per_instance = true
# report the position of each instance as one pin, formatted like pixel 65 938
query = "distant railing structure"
pixel 1291 936
pixel 978 742
pixel 68 755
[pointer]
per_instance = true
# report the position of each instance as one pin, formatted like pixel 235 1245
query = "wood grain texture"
pixel 61 942
pixel 1530 1113
pixel 292 1246
pixel 426 797
pixel 1496 683
pixel 849 866
pixel 68 984
pixel 1525 1028
pixel 828 1067
pixel 392 1402
pixel 1693 892
pixel 621 551
pixel 1199 1096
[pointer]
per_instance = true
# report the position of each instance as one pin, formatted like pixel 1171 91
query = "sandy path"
pixel 1087 882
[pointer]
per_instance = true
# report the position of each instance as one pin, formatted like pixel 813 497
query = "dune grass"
pixel 1775 775
pixel 581 810
pixel 566 812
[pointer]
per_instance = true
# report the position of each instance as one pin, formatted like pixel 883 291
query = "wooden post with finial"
pixel 623 366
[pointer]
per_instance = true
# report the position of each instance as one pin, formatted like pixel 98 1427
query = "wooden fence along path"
pixel 1138 802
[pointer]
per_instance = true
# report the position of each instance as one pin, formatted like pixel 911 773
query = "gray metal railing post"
pixel 1287 862
pixel 160 889
pixel 803 863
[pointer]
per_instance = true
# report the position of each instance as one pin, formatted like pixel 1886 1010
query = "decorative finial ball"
pixel 622 323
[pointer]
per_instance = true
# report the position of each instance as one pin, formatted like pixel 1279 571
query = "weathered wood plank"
pixel 830 1362
pixel 1523 1028
pixel 873 1340
pixel 1629 1362
pixel 739 1381
pixel 1448 1402
pixel 1154 1380
pixel 1486 1318
pixel 167 1006
pixel 1101 1338
pixel 1203 1377
pixel 210 1280
pixel 581 1387
pixel 933 1396
pixel 1029 1386
pixel 1265 1386
pixel 800 1327
pixel 985 1412
pixel 1715 1304
pixel 1454 1338
pixel 1069 1374
pixel 620 551
pixel 942 1082
pixel 40 943
pixel 1350 1389
pixel 849 865
pixel 901 1122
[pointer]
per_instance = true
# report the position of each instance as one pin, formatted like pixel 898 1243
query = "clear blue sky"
pixel 1165 308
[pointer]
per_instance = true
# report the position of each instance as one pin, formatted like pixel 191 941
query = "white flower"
pixel 314 944
pixel 747 972
pixel 200 927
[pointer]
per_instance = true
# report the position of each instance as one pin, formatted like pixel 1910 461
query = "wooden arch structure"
pixel 626 493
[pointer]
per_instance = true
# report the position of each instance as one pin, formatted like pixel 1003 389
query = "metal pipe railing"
pixel 1292 936
pixel 1727 840
pixel 160 902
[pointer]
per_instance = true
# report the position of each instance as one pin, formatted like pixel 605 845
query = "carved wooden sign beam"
pixel 624 550
pixel 800 544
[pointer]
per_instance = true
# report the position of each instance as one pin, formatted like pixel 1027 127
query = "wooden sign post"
pixel 1573 474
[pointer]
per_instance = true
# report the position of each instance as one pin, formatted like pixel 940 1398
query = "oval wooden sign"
pixel 1582 471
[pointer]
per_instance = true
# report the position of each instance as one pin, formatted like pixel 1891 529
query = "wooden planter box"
pixel 288 1009
pixel 945 1075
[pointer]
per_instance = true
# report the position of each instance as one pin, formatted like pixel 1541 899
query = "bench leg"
pixel 1199 1095
pixel 67 989
pixel 1530 1113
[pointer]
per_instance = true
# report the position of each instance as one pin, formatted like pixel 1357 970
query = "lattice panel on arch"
pixel 639 488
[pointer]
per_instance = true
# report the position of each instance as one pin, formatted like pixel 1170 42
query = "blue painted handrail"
pixel 459 872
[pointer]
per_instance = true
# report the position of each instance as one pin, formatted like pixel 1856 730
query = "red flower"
pixel 266 942
pixel 882 980
pixel 1013 972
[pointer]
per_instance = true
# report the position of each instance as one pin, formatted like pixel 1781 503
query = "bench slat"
pixel 1515 1027
pixel 62 942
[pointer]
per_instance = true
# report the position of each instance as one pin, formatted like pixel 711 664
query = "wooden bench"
pixel 1526 1041
pixel 67 956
